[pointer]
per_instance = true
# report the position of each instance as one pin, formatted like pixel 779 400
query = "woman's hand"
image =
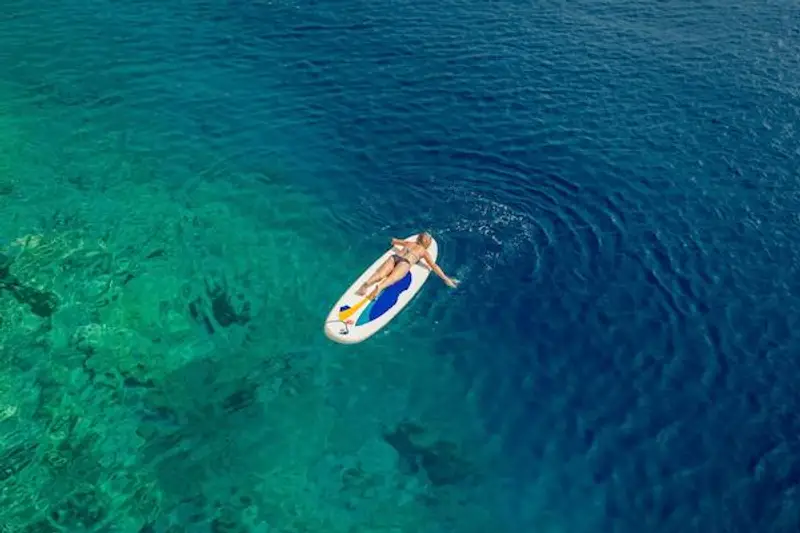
pixel 452 283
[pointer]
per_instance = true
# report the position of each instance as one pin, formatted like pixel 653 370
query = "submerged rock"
pixel 41 303
pixel 5 266
pixel 6 187
pixel 219 305
pixel 440 459
pixel 14 459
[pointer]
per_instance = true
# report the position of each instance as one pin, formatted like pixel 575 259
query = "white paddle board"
pixel 355 318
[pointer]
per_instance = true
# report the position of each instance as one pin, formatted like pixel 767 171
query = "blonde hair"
pixel 424 236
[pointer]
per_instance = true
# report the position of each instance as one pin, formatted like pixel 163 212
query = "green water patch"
pixel 163 356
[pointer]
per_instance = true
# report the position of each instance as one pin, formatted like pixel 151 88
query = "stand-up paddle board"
pixel 355 318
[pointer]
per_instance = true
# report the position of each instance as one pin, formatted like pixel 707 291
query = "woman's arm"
pixel 438 271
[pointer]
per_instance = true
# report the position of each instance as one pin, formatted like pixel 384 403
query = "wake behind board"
pixel 355 318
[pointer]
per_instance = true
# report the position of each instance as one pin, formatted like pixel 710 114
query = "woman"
pixel 398 265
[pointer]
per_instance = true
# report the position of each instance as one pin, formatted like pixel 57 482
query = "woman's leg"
pixel 396 275
pixel 384 270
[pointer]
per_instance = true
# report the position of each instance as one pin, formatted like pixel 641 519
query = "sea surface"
pixel 186 188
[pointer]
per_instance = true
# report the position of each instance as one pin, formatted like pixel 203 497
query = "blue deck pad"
pixel 384 301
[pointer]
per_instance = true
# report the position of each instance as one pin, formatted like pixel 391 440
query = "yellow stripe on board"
pixel 347 313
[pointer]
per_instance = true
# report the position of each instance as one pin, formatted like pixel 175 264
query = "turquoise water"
pixel 171 205
pixel 186 188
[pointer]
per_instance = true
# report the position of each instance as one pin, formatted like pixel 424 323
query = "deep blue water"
pixel 615 185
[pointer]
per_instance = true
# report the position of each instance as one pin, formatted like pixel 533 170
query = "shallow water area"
pixel 161 317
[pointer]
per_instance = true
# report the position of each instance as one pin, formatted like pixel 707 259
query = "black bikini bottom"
pixel 398 258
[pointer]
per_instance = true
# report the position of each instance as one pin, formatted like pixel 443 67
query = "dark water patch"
pixel 16 458
pixel 41 303
pixel 226 309
pixel 441 460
